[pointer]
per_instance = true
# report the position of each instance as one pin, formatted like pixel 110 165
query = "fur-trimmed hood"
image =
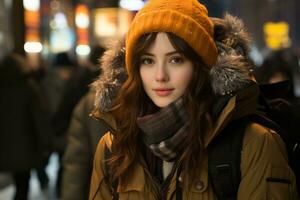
pixel 229 75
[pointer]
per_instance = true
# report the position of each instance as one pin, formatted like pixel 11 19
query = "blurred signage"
pixel 32 5
pixel 61 36
pixel 111 22
pixel 82 24
pixel 82 16
pixel 82 21
pixel 277 35
pixel 32 24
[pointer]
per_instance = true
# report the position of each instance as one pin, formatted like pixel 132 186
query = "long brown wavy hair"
pixel 133 102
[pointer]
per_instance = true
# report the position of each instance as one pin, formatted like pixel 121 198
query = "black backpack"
pixel 225 150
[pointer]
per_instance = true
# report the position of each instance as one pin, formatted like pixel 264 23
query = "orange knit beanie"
pixel 186 19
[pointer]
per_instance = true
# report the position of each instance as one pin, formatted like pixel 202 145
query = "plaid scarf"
pixel 165 130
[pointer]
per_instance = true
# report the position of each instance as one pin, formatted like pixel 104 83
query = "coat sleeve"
pixel 99 190
pixel 265 173
pixel 83 136
pixel 77 159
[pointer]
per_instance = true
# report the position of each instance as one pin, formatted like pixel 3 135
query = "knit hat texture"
pixel 187 19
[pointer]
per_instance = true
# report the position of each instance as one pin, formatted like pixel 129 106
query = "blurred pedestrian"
pixel 278 66
pixel 76 87
pixel 56 78
pixel 25 133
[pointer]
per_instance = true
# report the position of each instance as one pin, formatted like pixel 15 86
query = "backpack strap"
pixel 260 118
pixel 113 185
pixel 224 157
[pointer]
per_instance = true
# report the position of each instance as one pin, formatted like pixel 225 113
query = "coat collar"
pixel 242 104
pixel 106 117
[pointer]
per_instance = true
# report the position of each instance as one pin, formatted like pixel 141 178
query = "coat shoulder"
pixel 264 140
pixel 265 173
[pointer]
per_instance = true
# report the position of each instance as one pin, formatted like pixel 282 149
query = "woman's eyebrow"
pixel 168 54
pixel 147 54
pixel 171 53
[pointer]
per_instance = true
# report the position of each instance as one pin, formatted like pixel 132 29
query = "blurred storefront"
pixel 76 26
pixel 272 24
pixel 42 28
pixel 256 13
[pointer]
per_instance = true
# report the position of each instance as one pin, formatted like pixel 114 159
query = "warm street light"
pixel 32 5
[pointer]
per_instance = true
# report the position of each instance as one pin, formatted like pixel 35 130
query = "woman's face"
pixel 165 73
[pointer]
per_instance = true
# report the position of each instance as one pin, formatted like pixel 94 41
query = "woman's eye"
pixel 176 60
pixel 146 61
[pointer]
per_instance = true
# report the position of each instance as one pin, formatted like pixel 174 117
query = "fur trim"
pixel 112 77
pixel 231 32
pixel 230 74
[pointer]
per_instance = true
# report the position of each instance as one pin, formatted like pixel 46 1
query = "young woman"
pixel 183 85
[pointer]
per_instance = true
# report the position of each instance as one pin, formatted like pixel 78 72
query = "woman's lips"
pixel 163 92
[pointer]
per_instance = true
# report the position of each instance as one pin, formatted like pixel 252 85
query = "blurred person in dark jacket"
pixel 278 66
pixel 56 78
pixel 279 79
pixel 25 134
pixel 53 83
pixel 76 87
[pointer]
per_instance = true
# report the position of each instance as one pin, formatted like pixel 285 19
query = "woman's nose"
pixel 161 74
